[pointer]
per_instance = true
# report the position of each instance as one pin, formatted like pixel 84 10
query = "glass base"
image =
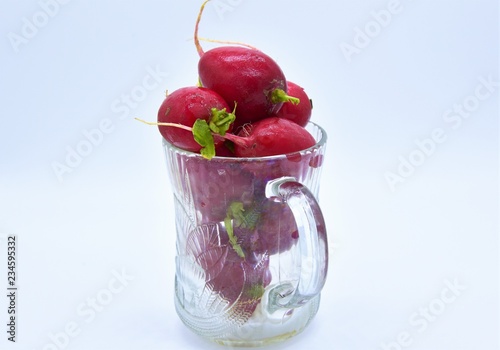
pixel 261 329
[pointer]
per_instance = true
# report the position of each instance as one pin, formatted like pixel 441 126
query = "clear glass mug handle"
pixel 313 244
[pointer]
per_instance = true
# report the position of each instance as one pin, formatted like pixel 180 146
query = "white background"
pixel 395 249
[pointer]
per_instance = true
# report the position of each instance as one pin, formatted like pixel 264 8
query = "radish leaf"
pixel 220 120
pixel 204 137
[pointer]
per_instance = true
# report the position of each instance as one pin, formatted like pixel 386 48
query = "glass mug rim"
pixel 320 142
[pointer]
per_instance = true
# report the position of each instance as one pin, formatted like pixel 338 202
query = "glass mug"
pixel 252 252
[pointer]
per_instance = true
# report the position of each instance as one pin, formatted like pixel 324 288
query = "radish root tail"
pixel 196 39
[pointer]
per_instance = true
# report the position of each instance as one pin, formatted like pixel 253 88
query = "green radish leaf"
pixel 241 217
pixel 256 291
pixel 228 222
pixel 220 120
pixel 237 216
pixel 235 211
pixel 203 135
pixel 233 217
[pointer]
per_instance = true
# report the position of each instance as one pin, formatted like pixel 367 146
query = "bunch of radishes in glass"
pixel 243 107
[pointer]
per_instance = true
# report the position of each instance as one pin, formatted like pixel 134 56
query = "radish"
pixel 272 136
pixel 298 113
pixel 213 189
pixel 187 105
pixel 274 229
pixel 240 282
pixel 245 76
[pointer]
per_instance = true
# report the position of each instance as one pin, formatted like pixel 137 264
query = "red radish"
pixel 215 184
pixel 275 229
pixel 239 281
pixel 245 76
pixel 184 106
pixel 272 136
pixel 299 113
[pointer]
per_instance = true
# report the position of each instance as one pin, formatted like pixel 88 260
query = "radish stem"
pixel 279 95
pixel 229 42
pixel 176 125
pixel 240 141
pixel 196 39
